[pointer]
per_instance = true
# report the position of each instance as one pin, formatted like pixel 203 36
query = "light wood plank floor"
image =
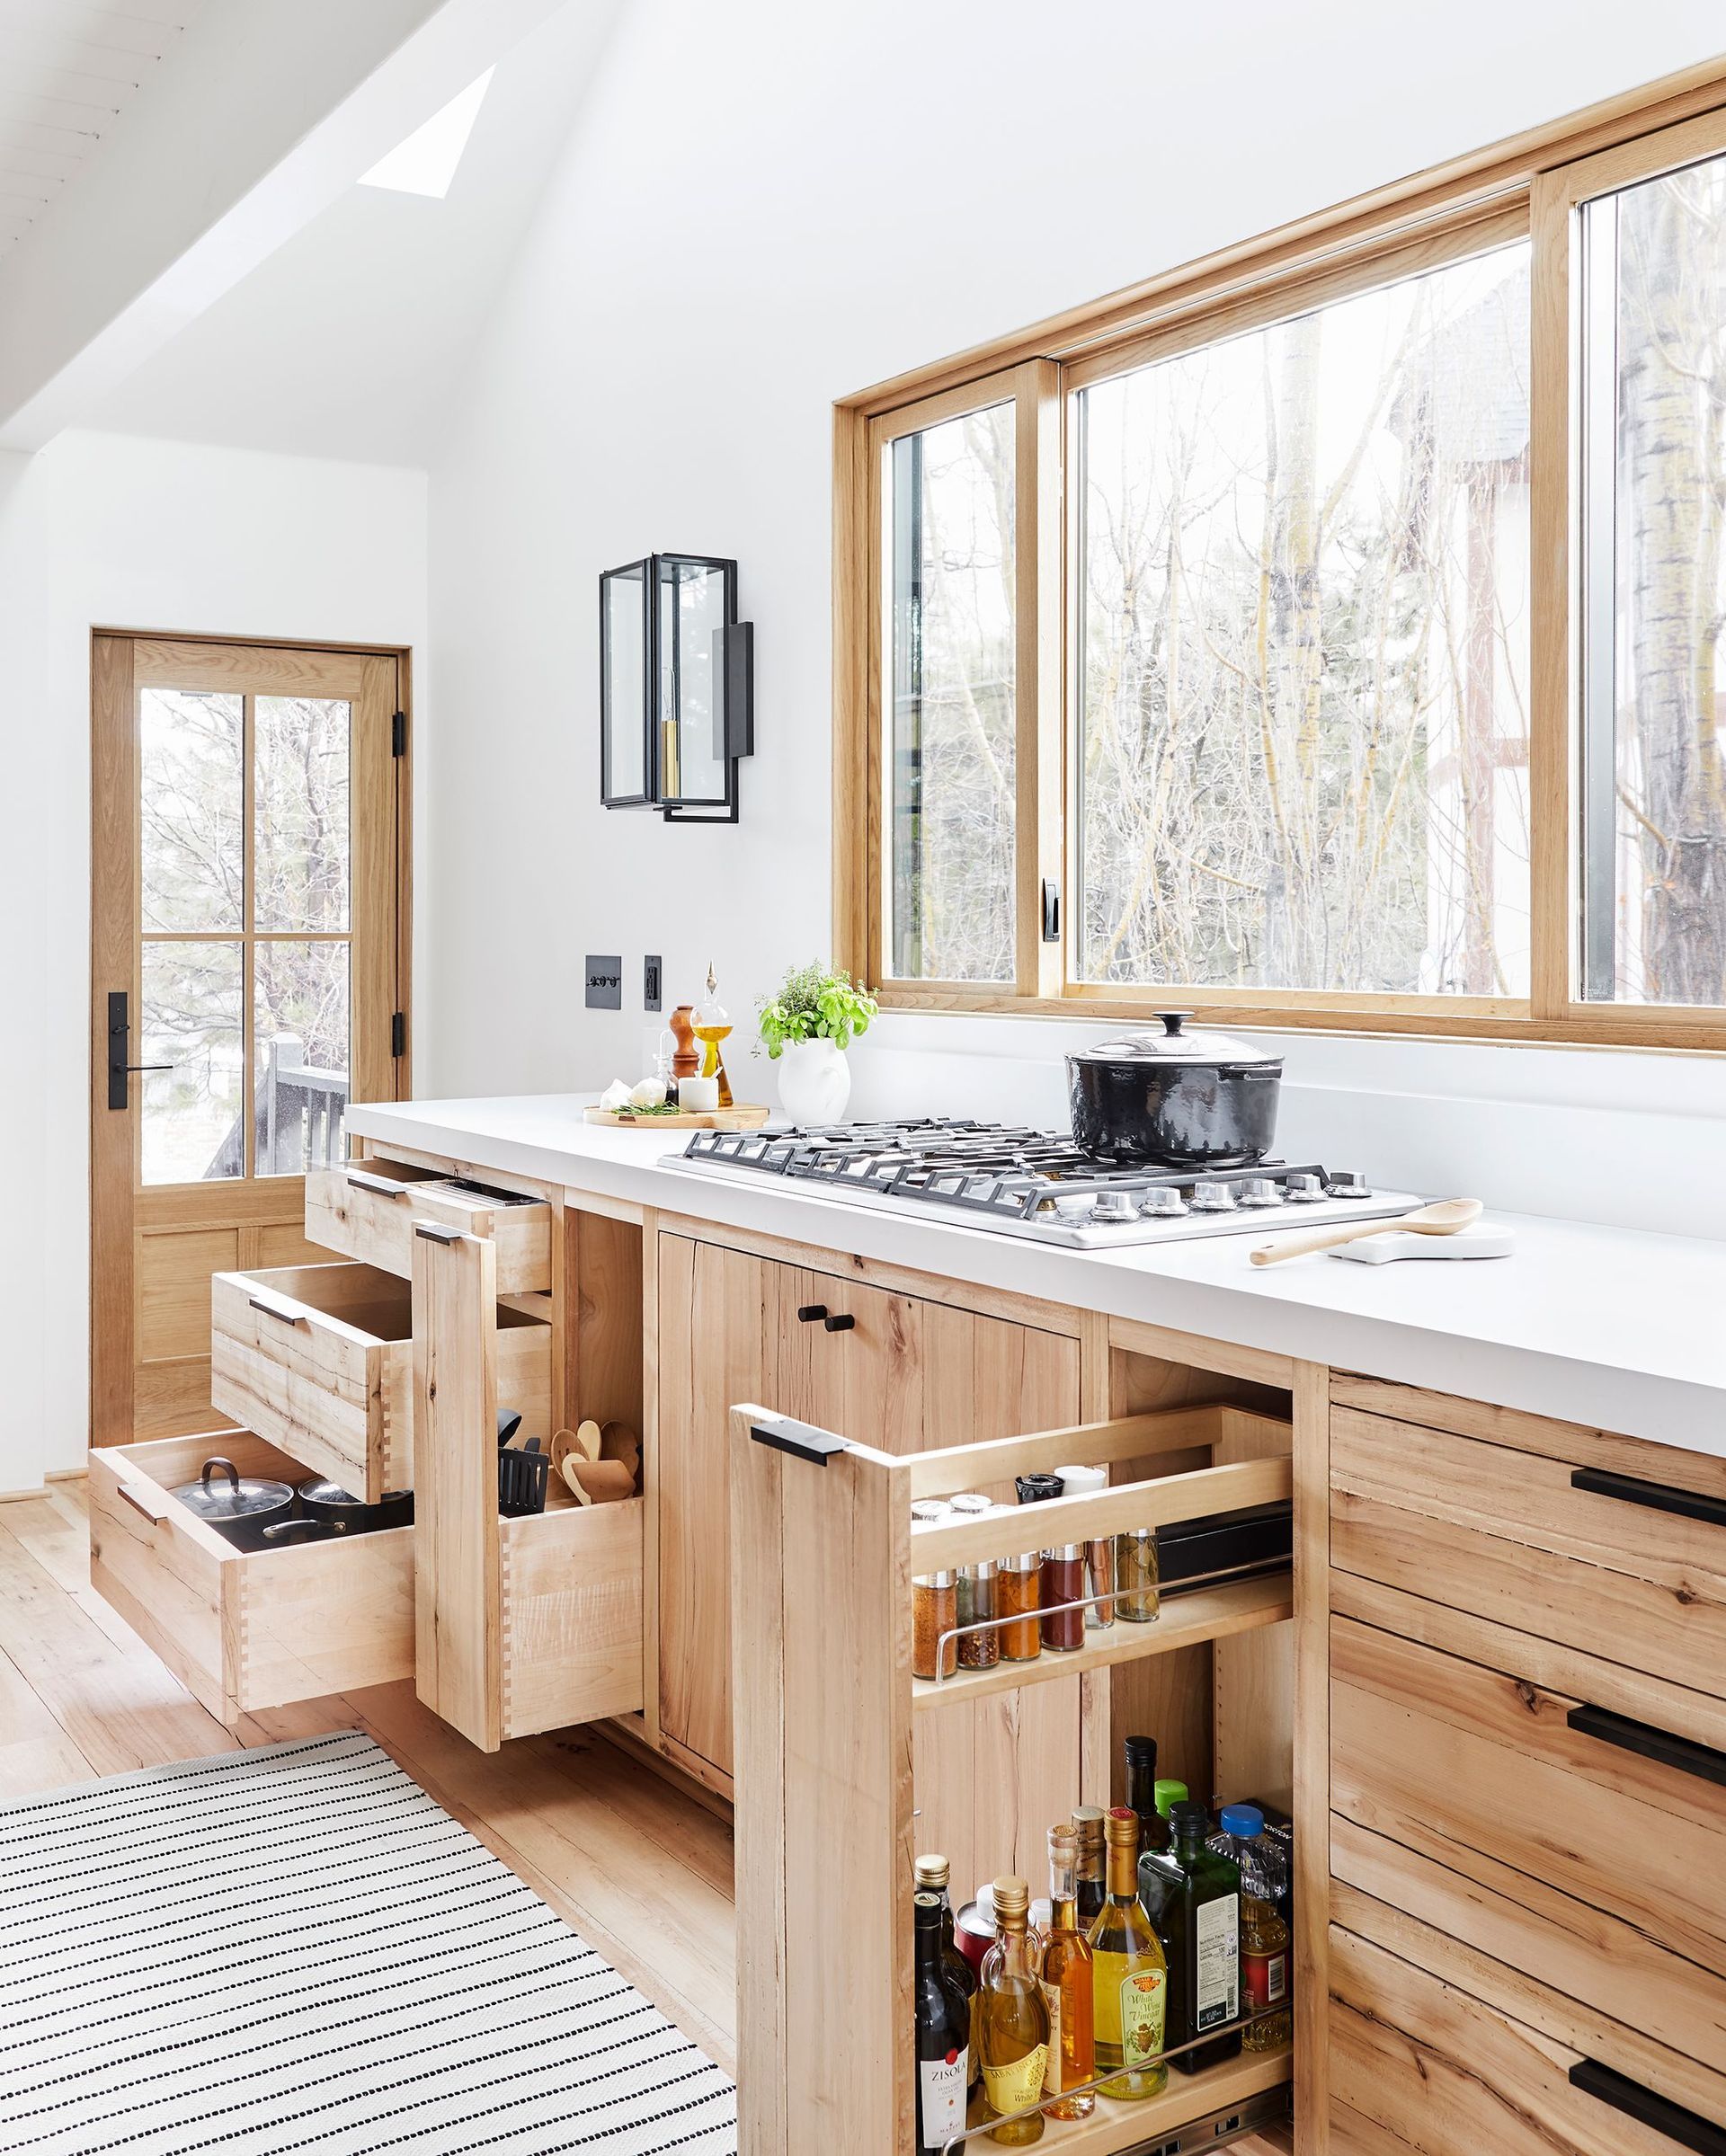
pixel 641 1869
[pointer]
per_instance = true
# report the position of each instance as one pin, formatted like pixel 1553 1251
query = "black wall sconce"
pixel 677 688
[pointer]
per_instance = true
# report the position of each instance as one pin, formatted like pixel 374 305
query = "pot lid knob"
pixel 1172 1022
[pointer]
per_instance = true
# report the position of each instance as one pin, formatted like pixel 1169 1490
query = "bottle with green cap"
pixel 1192 1895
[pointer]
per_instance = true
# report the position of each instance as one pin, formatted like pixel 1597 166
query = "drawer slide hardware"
pixel 1659 1497
pixel 1653 1743
pixel 1688 2129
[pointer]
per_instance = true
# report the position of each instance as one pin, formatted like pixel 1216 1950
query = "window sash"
pixel 1536 184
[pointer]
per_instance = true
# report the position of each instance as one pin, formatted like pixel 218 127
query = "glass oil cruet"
pixel 711 1025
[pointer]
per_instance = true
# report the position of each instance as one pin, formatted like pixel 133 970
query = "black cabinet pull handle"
pixel 1653 1743
pixel 842 1323
pixel 1659 1497
pixel 808 1312
pixel 1688 2129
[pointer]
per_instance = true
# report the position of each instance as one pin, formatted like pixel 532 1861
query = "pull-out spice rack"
pixel 828 1816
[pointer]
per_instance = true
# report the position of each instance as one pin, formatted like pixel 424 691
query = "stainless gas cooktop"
pixel 1039 1184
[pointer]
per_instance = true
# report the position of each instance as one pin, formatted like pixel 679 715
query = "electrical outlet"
pixel 605 984
pixel 650 996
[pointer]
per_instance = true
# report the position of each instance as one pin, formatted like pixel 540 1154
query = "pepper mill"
pixel 687 1061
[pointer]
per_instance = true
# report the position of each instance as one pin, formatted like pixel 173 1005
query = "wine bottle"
pixel 1142 1788
pixel 934 1874
pixel 943 2032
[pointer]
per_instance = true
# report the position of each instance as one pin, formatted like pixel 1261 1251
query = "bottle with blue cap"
pixel 1265 1959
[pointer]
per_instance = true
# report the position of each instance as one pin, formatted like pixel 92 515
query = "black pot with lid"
pixel 326 1501
pixel 237 1506
pixel 1185 1099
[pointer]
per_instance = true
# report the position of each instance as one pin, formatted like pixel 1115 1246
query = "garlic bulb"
pixel 649 1094
pixel 615 1096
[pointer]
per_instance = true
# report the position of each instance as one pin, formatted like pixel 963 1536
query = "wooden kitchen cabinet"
pixel 898 1372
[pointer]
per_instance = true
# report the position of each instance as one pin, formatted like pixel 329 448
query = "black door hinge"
pixel 399 1033
pixel 398 735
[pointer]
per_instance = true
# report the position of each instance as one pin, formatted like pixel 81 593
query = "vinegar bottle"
pixel 1012 2021
pixel 1130 1975
pixel 1067 1985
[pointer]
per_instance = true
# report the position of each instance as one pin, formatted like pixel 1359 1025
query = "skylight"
pixel 425 163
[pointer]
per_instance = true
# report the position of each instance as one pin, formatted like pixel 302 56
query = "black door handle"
pixel 120 1034
pixel 842 1323
pixel 1659 1497
pixel 1688 2129
pixel 808 1312
pixel 1652 1743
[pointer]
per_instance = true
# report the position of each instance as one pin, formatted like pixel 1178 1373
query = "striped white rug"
pixel 296 1948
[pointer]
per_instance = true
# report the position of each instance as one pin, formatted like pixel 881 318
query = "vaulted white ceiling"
pixel 68 69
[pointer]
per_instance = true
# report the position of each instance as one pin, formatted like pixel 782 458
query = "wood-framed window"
pixel 1329 633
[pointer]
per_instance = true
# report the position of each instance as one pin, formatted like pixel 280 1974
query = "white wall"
pixel 106 531
pixel 767 206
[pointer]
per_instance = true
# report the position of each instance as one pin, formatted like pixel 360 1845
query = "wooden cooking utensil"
pixel 1444 1218
pixel 598 1481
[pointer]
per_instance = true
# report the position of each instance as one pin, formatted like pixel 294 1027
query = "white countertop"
pixel 1604 1326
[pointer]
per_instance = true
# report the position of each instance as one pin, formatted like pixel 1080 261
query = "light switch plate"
pixel 605 984
pixel 650 983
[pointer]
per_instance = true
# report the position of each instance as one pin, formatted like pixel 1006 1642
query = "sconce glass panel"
pixel 697 596
pixel 626 720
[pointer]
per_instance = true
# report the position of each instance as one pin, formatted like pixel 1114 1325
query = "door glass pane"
pixel 1654 584
pixel 300 776
pixel 192 1020
pixel 951 723
pixel 1303 626
pixel 300 998
pixel 192 810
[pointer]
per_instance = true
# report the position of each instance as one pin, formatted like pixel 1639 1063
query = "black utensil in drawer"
pixel 509 1421
pixel 522 1479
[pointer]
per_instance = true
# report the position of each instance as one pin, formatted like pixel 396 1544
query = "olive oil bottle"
pixel 1130 1978
pixel 1192 1895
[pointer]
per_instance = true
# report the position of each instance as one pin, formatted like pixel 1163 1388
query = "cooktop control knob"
pixel 1304 1189
pixel 1212 1197
pixel 1260 1190
pixel 1346 1183
pixel 1164 1202
pixel 1112 1205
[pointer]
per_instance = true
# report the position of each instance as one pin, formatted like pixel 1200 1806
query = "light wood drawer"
pixel 245 1630
pixel 367 1210
pixel 1597 1552
pixel 1416 2063
pixel 1541 1829
pixel 319 1360
pixel 570 1599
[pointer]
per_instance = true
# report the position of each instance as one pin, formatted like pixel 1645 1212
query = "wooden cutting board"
pixel 742 1118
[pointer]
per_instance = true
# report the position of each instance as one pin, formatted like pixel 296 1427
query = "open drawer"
pixel 245 1630
pixel 528 1623
pixel 319 1360
pixel 368 1208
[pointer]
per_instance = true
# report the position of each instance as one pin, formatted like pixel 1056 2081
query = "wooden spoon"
pixel 1443 1219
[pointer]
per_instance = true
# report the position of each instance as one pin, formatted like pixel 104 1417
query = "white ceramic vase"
pixel 815 1082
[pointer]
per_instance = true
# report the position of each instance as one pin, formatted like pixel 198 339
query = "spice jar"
pixel 1136 1598
pixel 978 1604
pixel 1062 1580
pixel 1035 1489
pixel 969 1505
pixel 1100 1552
pixel 1018 1594
pixel 934 1610
pixel 929 1512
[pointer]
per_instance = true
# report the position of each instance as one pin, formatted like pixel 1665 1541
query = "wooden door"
pixel 718 1346
pixel 249 817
